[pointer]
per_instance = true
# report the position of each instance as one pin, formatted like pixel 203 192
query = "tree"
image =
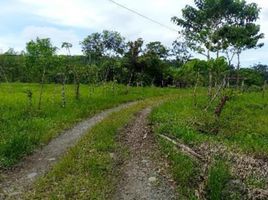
pixel 157 49
pixel 39 58
pixel 241 33
pixel 263 69
pixel 180 51
pixel 200 27
pixel 103 49
pixel 67 46
pixel 131 61
pixel 114 43
pixel 220 25
pixel 251 77
pixel 153 63
pixel 107 43
pixel 12 66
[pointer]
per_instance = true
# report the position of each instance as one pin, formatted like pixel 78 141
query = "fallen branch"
pixel 199 192
pixel 185 149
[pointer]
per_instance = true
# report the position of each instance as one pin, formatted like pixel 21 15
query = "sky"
pixel 73 20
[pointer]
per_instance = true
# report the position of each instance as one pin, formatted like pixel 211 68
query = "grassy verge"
pixel 184 169
pixel 243 127
pixel 88 171
pixel 243 124
pixel 23 127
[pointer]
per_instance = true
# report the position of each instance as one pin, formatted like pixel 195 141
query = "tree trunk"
pixel 228 82
pixel 195 88
pixel 41 90
pixel 77 90
pixel 63 99
pixel 210 84
pixel 210 77
pixel 220 107
pixel 208 55
pixel 129 82
pixel 264 88
pixel 237 70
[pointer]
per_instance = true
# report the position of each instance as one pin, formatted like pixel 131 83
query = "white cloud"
pixel 31 32
pixel 72 20
pixel 59 36
pixel 102 14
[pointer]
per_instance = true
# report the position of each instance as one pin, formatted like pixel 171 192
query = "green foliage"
pixel 12 68
pixel 217 25
pixel 262 69
pixel 39 57
pixel 252 77
pixel 197 70
pixel 107 43
pixel 157 49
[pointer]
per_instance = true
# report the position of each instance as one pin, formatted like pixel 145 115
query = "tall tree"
pixel 181 51
pixel 39 57
pixel 216 25
pixel 114 44
pixel 157 49
pixel 107 43
pixel 93 46
pixel 242 32
pixel 131 57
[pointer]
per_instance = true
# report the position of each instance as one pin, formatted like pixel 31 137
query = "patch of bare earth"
pixel 243 168
pixel 14 182
pixel 144 174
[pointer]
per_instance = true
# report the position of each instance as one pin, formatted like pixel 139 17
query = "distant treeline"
pixel 108 58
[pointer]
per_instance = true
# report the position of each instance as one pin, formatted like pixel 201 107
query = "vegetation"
pixel 89 171
pixel 24 126
pixel 221 112
pixel 242 127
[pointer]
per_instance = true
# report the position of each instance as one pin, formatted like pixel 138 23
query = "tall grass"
pixel 243 124
pixel 23 126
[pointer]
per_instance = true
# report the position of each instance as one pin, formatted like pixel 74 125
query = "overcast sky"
pixel 73 20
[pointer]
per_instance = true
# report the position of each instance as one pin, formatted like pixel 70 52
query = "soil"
pixel 144 174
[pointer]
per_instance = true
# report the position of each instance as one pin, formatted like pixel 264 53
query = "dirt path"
pixel 14 182
pixel 143 175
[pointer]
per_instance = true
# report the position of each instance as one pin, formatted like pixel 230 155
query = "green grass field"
pixel 243 124
pixel 24 127
pixel 242 127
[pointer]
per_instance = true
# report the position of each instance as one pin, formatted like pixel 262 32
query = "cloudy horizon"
pixel 72 21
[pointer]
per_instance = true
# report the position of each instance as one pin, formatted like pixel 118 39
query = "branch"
pixel 187 150
pixel 215 96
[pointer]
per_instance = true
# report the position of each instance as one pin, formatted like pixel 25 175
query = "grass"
pixel 88 171
pixel 23 127
pixel 184 169
pixel 218 177
pixel 243 124
pixel 243 127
